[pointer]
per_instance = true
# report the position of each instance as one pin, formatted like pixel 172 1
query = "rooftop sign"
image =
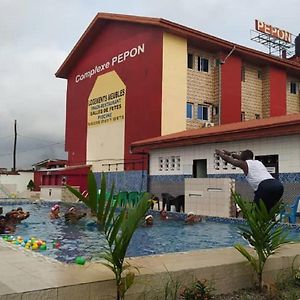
pixel 273 31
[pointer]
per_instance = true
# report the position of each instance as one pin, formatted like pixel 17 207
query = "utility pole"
pixel 15 148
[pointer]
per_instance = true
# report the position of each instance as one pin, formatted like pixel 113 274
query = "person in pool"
pixel 163 215
pixel 73 215
pixel 54 212
pixel 192 218
pixel 149 220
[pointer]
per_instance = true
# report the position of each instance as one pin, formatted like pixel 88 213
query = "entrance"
pixel 199 168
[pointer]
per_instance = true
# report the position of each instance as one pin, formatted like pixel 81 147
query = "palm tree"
pixel 262 233
pixel 118 228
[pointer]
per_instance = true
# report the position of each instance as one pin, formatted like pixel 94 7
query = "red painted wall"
pixel 231 90
pixel 76 177
pixel 277 92
pixel 142 76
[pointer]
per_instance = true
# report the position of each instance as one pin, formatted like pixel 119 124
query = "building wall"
pixel 19 182
pixel 287 147
pixel 174 86
pixel 277 92
pixel 142 76
pixel 265 92
pixel 105 142
pixel 252 92
pixel 231 90
pixel 292 100
pixel 202 87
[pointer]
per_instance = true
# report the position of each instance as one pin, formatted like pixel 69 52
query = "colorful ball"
pixel 80 260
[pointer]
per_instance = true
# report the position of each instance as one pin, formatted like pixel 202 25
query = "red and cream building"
pixel 133 78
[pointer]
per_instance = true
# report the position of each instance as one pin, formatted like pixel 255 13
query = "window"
pixel 259 74
pixel 243 74
pixel 202 112
pixel 202 64
pixel 293 88
pixel 243 116
pixel 190 59
pixel 189 110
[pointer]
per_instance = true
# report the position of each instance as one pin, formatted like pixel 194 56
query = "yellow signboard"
pixel 106 103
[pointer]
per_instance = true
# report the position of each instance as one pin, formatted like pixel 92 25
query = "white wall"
pixel 287 147
pixel 19 181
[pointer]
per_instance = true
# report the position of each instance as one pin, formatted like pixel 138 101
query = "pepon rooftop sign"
pixel 273 31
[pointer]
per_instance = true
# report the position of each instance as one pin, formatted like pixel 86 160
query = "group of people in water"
pixel 190 219
pixel 72 215
pixel 9 221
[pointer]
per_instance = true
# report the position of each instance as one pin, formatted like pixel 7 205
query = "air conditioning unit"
pixel 208 124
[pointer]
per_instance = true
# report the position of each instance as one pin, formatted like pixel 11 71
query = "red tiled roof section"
pixel 270 127
pixel 211 42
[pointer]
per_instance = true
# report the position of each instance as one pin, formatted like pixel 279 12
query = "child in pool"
pixel 54 213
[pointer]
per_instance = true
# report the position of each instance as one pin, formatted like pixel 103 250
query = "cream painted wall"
pixel 174 84
pixel 105 142
pixel 287 147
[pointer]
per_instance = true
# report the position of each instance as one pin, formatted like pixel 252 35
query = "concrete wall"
pixel 15 185
pixel 57 193
pixel 209 196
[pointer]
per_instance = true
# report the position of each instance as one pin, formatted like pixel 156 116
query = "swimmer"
pixel 54 213
pixel 149 220
pixel 163 215
pixel 73 215
pixel 192 218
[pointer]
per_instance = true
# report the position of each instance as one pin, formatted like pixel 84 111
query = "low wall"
pixel 39 278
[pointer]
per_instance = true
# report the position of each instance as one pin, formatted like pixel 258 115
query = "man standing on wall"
pixel 265 187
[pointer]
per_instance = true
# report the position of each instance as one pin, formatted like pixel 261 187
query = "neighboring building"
pixel 132 78
pixel 55 172
pixel 190 154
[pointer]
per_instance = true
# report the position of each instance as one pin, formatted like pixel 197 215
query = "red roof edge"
pixel 173 27
pixel 270 127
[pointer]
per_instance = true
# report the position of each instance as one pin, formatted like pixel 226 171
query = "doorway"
pixel 199 168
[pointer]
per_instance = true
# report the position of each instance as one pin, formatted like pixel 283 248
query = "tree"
pixel 30 185
pixel 118 228
pixel 262 233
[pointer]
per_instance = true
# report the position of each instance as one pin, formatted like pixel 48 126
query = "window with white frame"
pixel 189 110
pixel 202 112
pixel 203 64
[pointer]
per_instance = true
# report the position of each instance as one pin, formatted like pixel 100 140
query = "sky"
pixel 36 37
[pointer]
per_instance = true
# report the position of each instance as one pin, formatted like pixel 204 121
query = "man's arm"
pixel 235 162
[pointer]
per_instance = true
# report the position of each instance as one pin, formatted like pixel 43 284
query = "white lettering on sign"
pixel 273 31
pixel 122 57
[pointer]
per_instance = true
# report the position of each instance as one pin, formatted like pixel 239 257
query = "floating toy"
pixel 56 244
pixel 80 260
pixel 32 243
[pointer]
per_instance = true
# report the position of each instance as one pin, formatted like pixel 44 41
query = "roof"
pixel 270 127
pixel 194 36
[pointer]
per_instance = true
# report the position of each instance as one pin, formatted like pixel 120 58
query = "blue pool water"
pixel 84 239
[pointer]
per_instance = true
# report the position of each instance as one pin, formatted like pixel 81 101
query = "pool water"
pixel 84 238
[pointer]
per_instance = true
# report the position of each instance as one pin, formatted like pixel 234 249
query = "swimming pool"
pixel 84 239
